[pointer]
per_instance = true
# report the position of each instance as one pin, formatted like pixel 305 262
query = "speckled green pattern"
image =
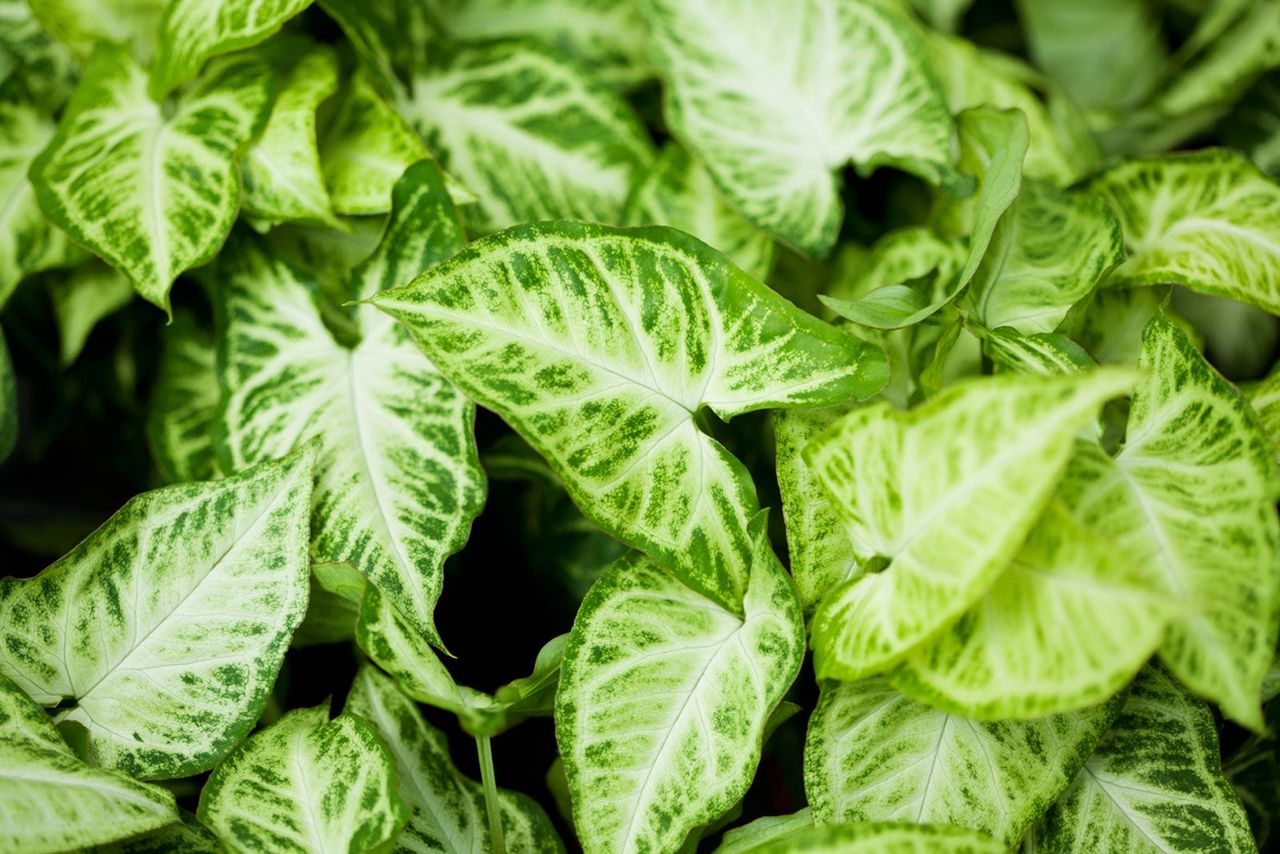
pixel 947 492
pixel 44 70
pixel 28 242
pixel 195 30
pixel 664 697
pixel 446 810
pixel 748 837
pixel 872 754
pixel 1153 785
pixel 51 801
pixel 1208 220
pixel 81 299
pixel 187 836
pixel 884 838
pixel 184 403
pixel 166 627
pixel 1264 397
pixel 678 192
pixel 831 80
pixel 560 325
pixel 152 195
pixel 398 477
pixel 8 401
pixel 281 169
pixel 1045 353
pixel 1192 495
pixel 306 784
pixel 530 134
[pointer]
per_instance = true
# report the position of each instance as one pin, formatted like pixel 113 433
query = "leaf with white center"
pixel 632 331
pixel 872 754
pixel 153 195
pixel 83 298
pixel 1048 252
pixel 833 82
pixel 306 784
pixel 1154 784
pixel 822 555
pixel 530 134
pixel 166 627
pixel 1208 220
pixel 678 192
pixel 184 403
pixel 194 31
pixel 281 168
pixel 8 402
pixel 1068 624
pixel 1192 497
pixel 446 809
pixel 50 800
pixel 29 243
pixel 884 838
pixel 1264 397
pixel 1045 353
pixel 398 477
pixel 946 493
pixel 664 696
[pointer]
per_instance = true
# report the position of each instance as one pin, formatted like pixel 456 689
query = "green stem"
pixel 490 794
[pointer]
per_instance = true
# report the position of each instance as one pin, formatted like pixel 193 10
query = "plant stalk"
pixel 491 804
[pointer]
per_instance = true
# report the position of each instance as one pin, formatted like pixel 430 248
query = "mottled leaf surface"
pixel 184 403
pixel 884 838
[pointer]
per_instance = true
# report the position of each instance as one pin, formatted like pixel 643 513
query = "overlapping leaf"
pixel 82 299
pixel 184 404
pixel 884 838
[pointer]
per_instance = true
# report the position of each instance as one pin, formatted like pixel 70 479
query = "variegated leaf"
pixel 84 297
pixel 884 838
pixel 1154 784
pixel 82 24
pixel 187 836
pixel 678 192
pixel 8 401
pixel 632 331
pixel 833 82
pixel 162 632
pixel 664 696
pixel 398 477
pixel 333 606
pixel 152 194
pixel 1208 220
pixel 194 31
pixel 872 754
pixel 945 493
pixel 306 784
pixel 530 134
pixel 44 70
pixel 281 168
pixel 52 801
pixel 446 809
pixel 1045 353
pixel 184 404
pixel 393 38
pixel 1264 397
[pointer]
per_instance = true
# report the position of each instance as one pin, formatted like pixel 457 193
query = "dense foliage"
pixel 854 416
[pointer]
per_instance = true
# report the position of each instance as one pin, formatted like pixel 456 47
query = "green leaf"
pixel 184 404
pixel 52 801
pixel 1254 772
pixel 82 24
pixel 1154 783
pixel 1264 397
pixel 946 492
pixel 8 402
pixel 333 606
pixel 806 73
pixel 1043 353
pixel 29 243
pixel 664 696
pixel 281 169
pixel 194 31
pixel 398 477
pixel 44 71
pixel 903 256
pixel 306 784
pixel 83 298
pixel 447 809
pixel 557 325
pixel 153 195
pixel 530 134
pixel 1109 325
pixel 1207 220
pixel 678 192
pixel 872 754
pixel 884 838
pixel 187 836
pixel 166 627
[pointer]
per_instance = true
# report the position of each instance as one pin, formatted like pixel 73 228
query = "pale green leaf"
pixel 885 838
pixel 633 331
pixel 306 784
pixel 1044 353
pixel 530 134
pixel 1109 325
pixel 446 809
pixel 187 836
pixel 942 15
pixel 52 801
pixel 333 607
pixel 946 492
pixel 398 477
pixel 832 82
pixel 1154 784
pixel 392 38
pixel 748 837
pixel 678 192
pixel 44 70
pixel 872 754
pixel 184 403
pixel 1264 397
pixel 194 31
pixel 153 195
pixel 162 632
pixel 8 401
pixel 328 254
pixel 664 696
pixel 82 24
pixel 1208 220
pixel 83 298
pixel 902 256
pixel 281 168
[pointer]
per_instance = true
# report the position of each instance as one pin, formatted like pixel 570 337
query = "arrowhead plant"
pixel 639 426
